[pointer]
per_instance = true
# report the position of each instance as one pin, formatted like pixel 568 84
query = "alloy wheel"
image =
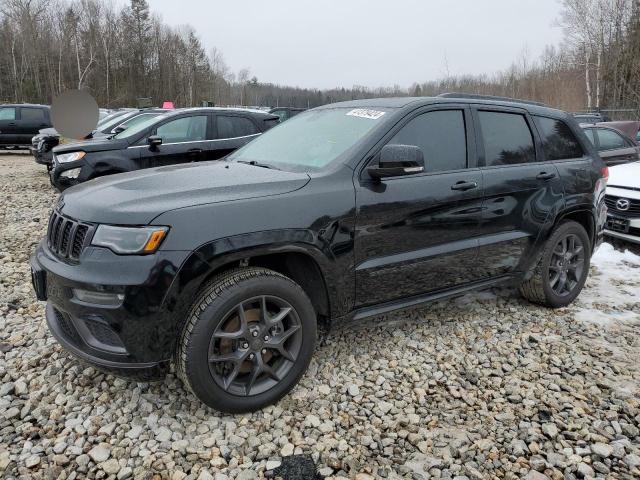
pixel 255 346
pixel 566 265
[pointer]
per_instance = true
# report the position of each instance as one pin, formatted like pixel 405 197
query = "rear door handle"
pixel 545 176
pixel 12 124
pixel 464 185
pixel 194 151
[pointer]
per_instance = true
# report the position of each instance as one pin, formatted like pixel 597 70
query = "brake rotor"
pixel 226 346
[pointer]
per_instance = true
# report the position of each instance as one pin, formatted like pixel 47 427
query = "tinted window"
pixel 231 127
pixel 7 113
pixel 590 135
pixel 610 140
pixel 137 120
pixel 186 129
pixel 440 135
pixel 558 140
pixel 32 114
pixel 507 138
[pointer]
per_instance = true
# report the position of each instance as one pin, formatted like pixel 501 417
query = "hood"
pixel 626 175
pixel 94 145
pixel 136 198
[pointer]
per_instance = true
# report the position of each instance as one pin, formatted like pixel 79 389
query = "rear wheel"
pixel 562 269
pixel 248 340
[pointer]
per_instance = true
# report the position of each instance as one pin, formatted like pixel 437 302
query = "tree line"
pixel 123 54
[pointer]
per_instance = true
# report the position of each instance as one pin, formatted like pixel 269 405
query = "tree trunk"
pixel 587 77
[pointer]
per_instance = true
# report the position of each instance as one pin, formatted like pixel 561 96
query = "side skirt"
pixel 409 302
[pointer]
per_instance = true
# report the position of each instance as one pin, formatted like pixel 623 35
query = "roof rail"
pixel 490 97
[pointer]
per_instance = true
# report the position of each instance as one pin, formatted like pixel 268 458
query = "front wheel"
pixel 562 270
pixel 247 341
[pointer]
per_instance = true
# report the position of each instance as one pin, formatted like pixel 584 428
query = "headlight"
pixel 70 157
pixel 129 240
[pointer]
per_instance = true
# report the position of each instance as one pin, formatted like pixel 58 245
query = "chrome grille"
pixel 612 205
pixel 66 237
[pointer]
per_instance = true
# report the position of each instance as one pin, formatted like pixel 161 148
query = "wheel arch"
pixel 305 264
pixel 584 216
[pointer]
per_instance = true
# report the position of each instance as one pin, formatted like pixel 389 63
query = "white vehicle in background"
pixel 623 202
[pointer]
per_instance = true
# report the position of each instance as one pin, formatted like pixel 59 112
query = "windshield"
pixel 138 119
pixel 108 123
pixel 311 140
pixel 140 126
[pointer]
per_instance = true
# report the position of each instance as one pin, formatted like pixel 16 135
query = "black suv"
pixel 48 138
pixel 178 136
pixel 344 212
pixel 20 122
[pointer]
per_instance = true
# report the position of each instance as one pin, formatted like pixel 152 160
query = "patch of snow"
pixel 612 291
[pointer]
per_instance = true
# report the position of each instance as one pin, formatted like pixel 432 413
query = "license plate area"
pixel 617 224
pixel 39 281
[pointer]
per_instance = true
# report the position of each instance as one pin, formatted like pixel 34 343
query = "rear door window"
pixel 234 126
pixel 185 129
pixel 610 140
pixel 507 138
pixel 7 113
pixel 32 114
pixel 440 135
pixel 558 141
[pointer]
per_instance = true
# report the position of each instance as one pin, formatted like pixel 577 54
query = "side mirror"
pixel 398 160
pixel 154 141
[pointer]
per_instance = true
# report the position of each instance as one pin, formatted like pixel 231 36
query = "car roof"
pixel 415 102
pixel 23 105
pixel 252 112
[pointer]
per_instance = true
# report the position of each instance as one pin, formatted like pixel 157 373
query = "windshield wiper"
pixel 257 164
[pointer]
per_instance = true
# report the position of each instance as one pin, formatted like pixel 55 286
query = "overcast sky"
pixel 328 43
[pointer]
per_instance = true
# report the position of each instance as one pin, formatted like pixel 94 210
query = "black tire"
pixel 211 311
pixel 540 288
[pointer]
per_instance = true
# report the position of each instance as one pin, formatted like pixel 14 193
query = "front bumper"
pixel 60 182
pixel 134 338
pixel 631 232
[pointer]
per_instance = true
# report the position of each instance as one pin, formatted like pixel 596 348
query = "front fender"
pixel 336 269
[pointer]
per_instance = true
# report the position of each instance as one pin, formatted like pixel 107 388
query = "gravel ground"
pixel 483 386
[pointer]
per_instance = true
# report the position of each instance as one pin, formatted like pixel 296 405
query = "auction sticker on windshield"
pixel 365 113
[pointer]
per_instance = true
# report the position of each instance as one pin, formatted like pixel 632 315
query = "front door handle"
pixel 194 151
pixel 545 176
pixel 12 124
pixel 462 185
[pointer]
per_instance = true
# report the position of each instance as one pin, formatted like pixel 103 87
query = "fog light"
pixel 99 298
pixel 73 173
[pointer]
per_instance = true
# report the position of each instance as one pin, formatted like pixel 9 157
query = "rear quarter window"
pixel 558 141
pixel 610 140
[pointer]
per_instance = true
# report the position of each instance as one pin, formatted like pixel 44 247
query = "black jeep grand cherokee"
pixel 343 212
